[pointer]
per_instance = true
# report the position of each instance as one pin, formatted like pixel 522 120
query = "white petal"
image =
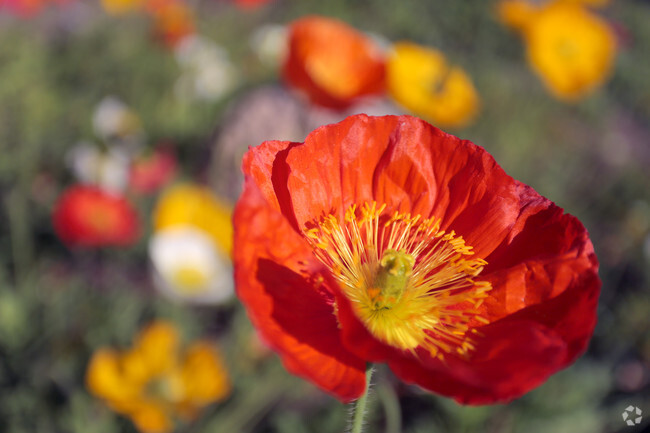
pixel 187 247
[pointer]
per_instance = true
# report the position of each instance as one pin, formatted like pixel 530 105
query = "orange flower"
pixel 88 216
pixel 332 63
pixel 516 14
pixel 155 383
pixel 173 20
pixel 421 80
pixel 384 239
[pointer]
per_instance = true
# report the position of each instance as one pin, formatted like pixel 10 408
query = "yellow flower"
pixel 590 3
pixel 570 48
pixel 518 13
pixel 194 205
pixel 421 80
pixel 155 383
pixel 117 7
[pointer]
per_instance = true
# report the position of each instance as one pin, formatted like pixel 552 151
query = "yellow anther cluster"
pixel 418 308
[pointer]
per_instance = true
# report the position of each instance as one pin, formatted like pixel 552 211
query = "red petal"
pixel 405 163
pixel 335 166
pixel 259 162
pixel 428 172
pixel 545 270
pixel 511 358
pixel 292 312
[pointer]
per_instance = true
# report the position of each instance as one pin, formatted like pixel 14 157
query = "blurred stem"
pixel 392 408
pixel 19 231
pixel 249 410
pixel 359 410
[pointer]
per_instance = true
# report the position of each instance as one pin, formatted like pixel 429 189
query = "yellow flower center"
pixel 166 389
pixel 410 283
pixel 189 279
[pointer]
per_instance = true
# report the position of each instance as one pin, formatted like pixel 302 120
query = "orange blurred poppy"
pixel 173 20
pixel 332 63
pixel 155 383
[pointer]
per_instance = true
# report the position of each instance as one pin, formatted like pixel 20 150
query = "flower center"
pixel 411 284
pixel 189 279
pixel 166 389
pixel 395 268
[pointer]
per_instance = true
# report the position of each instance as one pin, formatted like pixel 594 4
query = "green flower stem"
pixel 19 230
pixel 359 411
pixel 248 411
pixel 392 409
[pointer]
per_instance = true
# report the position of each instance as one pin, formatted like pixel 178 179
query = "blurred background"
pixel 122 127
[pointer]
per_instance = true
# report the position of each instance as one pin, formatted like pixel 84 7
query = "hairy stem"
pixel 359 410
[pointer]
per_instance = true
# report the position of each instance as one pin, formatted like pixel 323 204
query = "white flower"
pixel 207 72
pixel 189 267
pixel 108 170
pixel 269 42
pixel 114 120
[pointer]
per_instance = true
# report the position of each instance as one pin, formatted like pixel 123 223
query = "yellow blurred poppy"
pixel 590 3
pixel 570 48
pixel 518 13
pixel 420 79
pixel 155 383
pixel 194 205
pixel 117 7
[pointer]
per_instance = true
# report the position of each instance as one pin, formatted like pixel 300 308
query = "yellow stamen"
pixel 405 278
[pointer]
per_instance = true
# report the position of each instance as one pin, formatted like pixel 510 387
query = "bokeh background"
pixel 88 91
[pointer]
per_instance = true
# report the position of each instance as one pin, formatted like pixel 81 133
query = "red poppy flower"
pixel 88 216
pixel 27 8
pixel 150 173
pixel 332 63
pixel 250 4
pixel 384 239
